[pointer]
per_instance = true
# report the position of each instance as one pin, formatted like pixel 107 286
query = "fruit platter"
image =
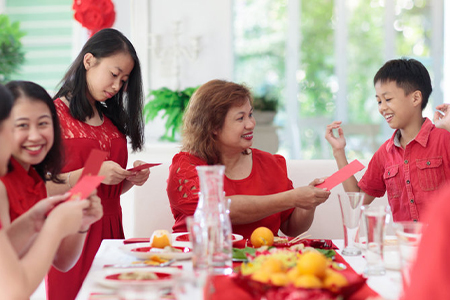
pixel 297 271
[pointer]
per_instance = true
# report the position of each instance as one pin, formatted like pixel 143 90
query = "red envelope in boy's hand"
pixel 341 175
pixel 84 187
pixel 94 162
pixel 144 166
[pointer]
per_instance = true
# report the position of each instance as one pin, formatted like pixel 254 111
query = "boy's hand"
pixel 337 143
pixel 442 121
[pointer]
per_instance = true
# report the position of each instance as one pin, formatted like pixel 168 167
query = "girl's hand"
pixel 442 121
pixel 337 143
pixel 139 177
pixel 113 172
pixel 38 213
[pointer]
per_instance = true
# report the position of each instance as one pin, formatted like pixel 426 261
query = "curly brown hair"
pixel 205 114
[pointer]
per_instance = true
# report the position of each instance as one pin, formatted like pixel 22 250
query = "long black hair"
pixel 51 166
pixel 6 103
pixel 125 108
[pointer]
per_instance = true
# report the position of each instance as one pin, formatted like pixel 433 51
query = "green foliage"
pixel 173 103
pixel 11 53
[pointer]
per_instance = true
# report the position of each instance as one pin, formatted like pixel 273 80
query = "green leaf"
pixel 239 253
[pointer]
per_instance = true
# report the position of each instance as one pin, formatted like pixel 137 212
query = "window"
pixel 48 40
pixel 341 45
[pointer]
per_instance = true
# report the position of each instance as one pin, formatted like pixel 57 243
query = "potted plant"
pixel 11 53
pixel 264 108
pixel 173 103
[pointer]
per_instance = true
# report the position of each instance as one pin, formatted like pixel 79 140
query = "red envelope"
pixel 84 187
pixel 342 175
pixel 144 166
pixel 94 162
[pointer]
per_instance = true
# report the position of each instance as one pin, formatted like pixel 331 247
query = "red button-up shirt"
pixel 411 176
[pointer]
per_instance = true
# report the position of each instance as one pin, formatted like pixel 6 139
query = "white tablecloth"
pixel 388 286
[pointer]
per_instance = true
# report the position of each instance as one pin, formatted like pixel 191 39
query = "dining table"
pixel 387 286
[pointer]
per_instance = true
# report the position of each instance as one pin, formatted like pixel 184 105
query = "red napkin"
pixel 136 240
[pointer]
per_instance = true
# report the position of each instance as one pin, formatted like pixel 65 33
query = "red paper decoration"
pixel 94 14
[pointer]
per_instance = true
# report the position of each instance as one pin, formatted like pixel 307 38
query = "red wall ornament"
pixel 94 14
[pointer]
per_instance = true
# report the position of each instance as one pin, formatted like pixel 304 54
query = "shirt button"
pixel 415 220
pixel 428 163
pixel 389 173
pixel 406 161
pixel 412 200
pixel 407 181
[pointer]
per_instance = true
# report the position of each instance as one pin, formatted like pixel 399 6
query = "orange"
pixel 262 236
pixel 279 279
pixel 160 239
pixel 261 276
pixel 312 263
pixel 334 281
pixel 272 265
pixel 308 282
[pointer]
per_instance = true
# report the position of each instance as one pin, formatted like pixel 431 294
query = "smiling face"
pixel 395 106
pixel 6 142
pixel 236 133
pixel 106 76
pixel 33 131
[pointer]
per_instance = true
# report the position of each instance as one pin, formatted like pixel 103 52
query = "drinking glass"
pixel 408 234
pixel 350 203
pixel 375 220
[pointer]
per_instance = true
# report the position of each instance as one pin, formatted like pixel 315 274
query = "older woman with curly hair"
pixel 218 130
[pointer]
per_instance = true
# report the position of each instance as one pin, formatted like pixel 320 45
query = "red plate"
pixel 161 276
pixel 147 249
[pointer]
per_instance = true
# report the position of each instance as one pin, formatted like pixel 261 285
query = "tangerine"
pixel 279 279
pixel 262 236
pixel 308 282
pixel 160 239
pixel 334 281
pixel 312 263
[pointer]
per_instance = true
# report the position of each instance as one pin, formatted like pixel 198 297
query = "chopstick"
pixel 299 237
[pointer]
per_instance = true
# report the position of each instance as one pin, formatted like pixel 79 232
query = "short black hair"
pixel 409 74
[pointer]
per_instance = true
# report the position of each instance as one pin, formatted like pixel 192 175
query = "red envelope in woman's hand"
pixel 84 187
pixel 144 166
pixel 341 175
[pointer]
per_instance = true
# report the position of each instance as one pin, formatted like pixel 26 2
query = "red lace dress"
pixel 79 139
pixel 24 189
pixel 268 176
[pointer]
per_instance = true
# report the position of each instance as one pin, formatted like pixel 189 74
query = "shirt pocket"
pixel 391 179
pixel 431 173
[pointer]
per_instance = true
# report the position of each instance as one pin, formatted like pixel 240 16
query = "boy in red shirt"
pixel 413 165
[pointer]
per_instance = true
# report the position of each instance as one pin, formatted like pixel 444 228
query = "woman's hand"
pixel 67 216
pixel 113 172
pixel 337 143
pixel 92 213
pixel 442 121
pixel 139 177
pixel 38 213
pixel 309 197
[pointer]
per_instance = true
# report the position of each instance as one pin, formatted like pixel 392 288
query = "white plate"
pixel 185 235
pixel 108 277
pixel 144 251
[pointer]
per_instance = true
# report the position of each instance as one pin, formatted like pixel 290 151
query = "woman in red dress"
pixel 21 274
pixel 36 158
pixel 99 106
pixel 218 129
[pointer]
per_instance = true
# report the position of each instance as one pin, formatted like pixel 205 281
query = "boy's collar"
pixel 421 137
